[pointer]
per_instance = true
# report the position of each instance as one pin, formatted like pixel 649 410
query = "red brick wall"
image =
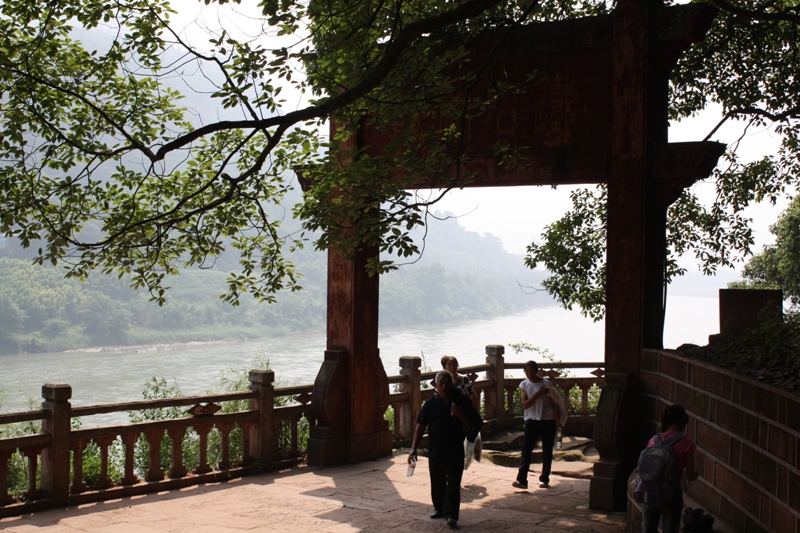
pixel 747 435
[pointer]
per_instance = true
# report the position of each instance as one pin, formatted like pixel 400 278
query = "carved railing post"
pixel 55 457
pixel 494 397
pixel 410 370
pixel 262 434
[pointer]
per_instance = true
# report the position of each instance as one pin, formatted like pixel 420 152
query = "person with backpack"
pixel 659 472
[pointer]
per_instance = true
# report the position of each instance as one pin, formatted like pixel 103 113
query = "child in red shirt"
pixel 673 420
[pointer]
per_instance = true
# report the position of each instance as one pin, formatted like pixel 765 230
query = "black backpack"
pixel 696 522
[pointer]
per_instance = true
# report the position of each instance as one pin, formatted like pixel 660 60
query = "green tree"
pixel 779 264
pixel 748 65
pixel 105 170
pixel 117 159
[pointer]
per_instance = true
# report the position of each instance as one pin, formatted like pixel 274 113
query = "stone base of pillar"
pixel 370 447
pixel 617 441
pixel 326 450
pixel 608 488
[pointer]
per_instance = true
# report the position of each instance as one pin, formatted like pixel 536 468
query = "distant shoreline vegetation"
pixel 461 276
pixel 40 311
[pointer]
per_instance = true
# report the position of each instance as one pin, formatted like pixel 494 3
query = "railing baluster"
pixel 396 417
pixel 295 421
pixel 77 485
pixel 105 481
pixel 509 401
pixel 176 467
pixel 202 465
pixel 565 388
pixel 5 497
pixel 247 427
pixel 585 399
pixel 225 436
pixel 32 454
pixel 154 470
pixel 129 441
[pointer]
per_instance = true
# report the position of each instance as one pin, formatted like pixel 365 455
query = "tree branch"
pixel 759 14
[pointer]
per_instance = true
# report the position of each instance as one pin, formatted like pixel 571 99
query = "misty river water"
pixel 117 375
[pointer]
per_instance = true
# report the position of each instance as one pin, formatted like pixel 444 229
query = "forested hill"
pixel 461 276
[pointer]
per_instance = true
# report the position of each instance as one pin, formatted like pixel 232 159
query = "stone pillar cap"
pixel 261 375
pixel 57 392
pixel 495 349
pixel 410 361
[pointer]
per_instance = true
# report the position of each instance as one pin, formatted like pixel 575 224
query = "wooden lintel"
pixel 676 165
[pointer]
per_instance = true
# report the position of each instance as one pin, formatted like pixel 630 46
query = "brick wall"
pixel 747 435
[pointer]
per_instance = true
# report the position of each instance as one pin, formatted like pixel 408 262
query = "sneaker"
pixel 519 484
pixel 543 484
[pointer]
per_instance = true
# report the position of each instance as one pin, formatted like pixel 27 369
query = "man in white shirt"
pixel 540 422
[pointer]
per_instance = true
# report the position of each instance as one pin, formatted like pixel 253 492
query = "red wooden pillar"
pixel 627 187
pixel 351 392
pixel 625 275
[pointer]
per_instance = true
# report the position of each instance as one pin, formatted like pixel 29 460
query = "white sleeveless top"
pixel 542 409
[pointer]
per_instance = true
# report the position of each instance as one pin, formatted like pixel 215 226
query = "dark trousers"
pixel 670 513
pixel 446 484
pixel 534 430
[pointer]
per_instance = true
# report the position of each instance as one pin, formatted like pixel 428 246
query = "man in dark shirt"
pixel 448 415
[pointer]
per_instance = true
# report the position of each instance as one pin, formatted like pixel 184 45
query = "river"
pixel 116 375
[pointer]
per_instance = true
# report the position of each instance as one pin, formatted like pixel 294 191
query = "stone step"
pixel 513 439
pixel 575 459
pixel 504 440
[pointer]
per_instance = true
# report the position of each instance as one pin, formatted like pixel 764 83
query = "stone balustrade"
pixel 269 423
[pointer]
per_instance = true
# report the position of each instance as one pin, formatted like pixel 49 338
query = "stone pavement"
pixel 372 497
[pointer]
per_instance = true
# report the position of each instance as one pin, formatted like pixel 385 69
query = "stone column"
pixel 495 398
pixel 262 434
pixel 55 457
pixel 410 369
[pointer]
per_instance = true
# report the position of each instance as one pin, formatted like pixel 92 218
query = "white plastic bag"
pixel 472 450
pixel 468 450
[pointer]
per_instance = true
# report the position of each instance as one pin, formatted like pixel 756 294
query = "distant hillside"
pixel 461 275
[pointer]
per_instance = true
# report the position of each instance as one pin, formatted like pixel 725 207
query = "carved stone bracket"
pixel 615 425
